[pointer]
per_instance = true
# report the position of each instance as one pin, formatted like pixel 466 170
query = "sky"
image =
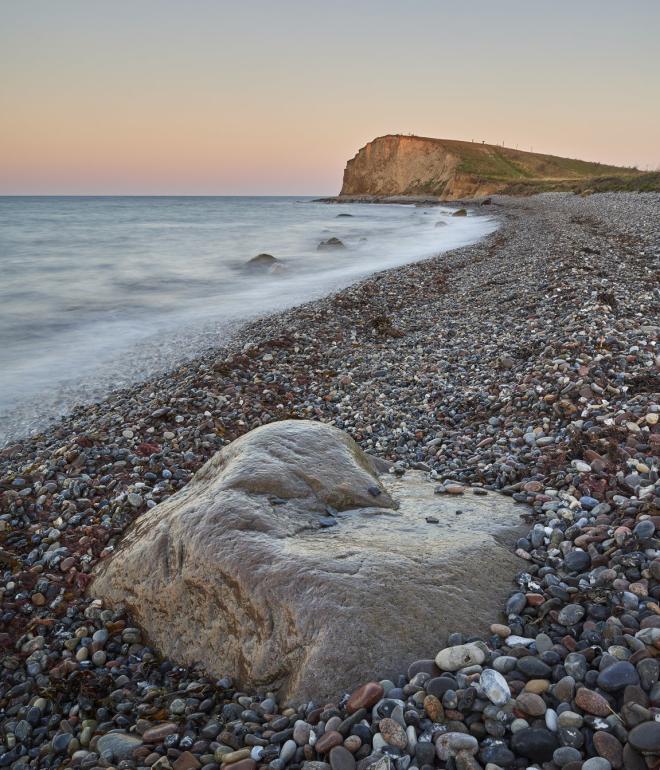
pixel 274 96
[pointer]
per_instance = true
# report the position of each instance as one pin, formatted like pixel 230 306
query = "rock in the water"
pixel 236 571
pixel 262 262
pixel 331 243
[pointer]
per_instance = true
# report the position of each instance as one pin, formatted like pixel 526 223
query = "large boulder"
pixel 243 570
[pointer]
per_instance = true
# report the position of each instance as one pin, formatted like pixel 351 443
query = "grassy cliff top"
pixel 504 164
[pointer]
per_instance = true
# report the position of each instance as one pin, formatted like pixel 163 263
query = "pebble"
pixel 645 737
pixel 119 745
pixel 341 759
pixel 328 740
pixel 365 696
pixel 393 733
pixel 495 687
pixel 459 656
pixel 570 614
pixel 617 676
pixel 534 743
pixel 592 702
pixel 531 704
pixel 597 763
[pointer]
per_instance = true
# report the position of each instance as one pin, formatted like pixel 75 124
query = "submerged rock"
pixel 460 213
pixel 239 570
pixel 262 262
pixel 331 243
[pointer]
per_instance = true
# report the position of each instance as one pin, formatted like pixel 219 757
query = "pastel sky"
pixel 273 96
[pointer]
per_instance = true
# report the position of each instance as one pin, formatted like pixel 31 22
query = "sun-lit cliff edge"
pixel 451 169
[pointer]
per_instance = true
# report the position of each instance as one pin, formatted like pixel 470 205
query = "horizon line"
pixel 165 195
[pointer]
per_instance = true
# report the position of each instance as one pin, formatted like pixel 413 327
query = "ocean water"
pixel 98 292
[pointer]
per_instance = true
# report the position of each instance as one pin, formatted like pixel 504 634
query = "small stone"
pixel 231 757
pixel 449 744
pixel 287 752
pixel 581 467
pixel 617 676
pixel 61 741
pixel 341 759
pixel 531 704
pixel 301 732
pixel 534 743
pixel 596 763
pixel 571 614
pixel 328 740
pixel 644 530
pixel 186 761
pixel 565 754
pixel 577 561
pixel 177 706
pixel 609 747
pixel 393 733
pixel 158 733
pixel 459 656
pixel 433 708
pixel 495 687
pixel 537 686
pixel 646 737
pixel 120 745
pixel 365 696
pixel 533 667
pixel 592 702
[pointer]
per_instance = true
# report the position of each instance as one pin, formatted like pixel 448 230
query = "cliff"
pixel 450 169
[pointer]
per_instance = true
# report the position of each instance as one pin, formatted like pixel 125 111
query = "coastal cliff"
pixel 450 170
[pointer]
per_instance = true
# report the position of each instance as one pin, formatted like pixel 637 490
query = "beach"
pixel 99 293
pixel 525 363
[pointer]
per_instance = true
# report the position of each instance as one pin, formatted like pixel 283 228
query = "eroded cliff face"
pixel 411 165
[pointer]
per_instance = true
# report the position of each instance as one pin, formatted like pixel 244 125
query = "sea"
pixel 97 293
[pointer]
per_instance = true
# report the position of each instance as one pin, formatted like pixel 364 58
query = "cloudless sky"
pixel 273 96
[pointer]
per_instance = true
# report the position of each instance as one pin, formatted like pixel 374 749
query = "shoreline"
pixel 519 363
pixel 97 353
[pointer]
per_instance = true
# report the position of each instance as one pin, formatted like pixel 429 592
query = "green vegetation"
pixel 504 164
pixel 516 172
pixel 434 187
pixel 641 182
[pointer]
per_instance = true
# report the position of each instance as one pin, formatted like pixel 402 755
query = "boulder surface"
pixel 289 564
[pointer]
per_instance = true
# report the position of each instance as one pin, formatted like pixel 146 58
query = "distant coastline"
pixel 414 166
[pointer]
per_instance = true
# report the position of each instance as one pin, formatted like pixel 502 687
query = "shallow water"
pixel 99 292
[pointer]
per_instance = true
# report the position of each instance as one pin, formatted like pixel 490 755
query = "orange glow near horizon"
pixel 226 98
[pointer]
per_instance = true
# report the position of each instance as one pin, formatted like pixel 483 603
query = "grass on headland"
pixel 641 182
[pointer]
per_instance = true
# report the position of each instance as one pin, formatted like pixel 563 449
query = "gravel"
pixel 527 363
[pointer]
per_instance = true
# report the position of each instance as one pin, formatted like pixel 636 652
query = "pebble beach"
pixel 525 364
